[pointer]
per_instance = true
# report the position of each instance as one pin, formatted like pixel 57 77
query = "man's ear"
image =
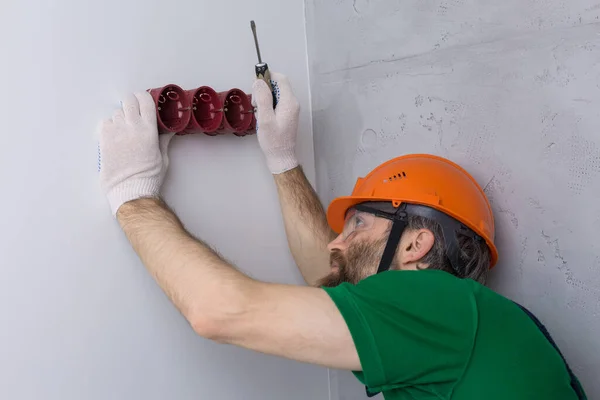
pixel 417 246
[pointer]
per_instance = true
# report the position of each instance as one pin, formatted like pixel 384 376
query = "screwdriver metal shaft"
pixel 261 69
pixel 253 27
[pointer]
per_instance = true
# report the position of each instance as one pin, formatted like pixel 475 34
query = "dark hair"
pixel 474 255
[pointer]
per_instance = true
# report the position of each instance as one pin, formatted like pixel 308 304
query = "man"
pixel 396 297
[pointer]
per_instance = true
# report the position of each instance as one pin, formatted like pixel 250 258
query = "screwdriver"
pixel 262 69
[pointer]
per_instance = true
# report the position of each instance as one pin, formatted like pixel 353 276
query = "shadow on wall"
pixel 336 122
pixel 345 386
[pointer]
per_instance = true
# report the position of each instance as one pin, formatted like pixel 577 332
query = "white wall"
pixel 508 89
pixel 80 317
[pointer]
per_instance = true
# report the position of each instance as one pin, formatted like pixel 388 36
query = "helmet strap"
pixel 399 223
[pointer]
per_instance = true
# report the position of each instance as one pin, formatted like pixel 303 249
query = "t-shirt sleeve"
pixel 410 328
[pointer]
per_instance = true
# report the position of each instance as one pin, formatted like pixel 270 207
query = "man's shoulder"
pixel 422 279
pixel 431 294
pixel 426 276
pixel 435 279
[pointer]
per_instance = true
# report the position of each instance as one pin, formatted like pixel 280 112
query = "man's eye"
pixel 359 222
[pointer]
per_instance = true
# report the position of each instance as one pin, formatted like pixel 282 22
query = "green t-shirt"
pixel 429 335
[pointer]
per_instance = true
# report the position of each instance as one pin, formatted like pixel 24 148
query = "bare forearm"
pixel 305 223
pixel 222 304
pixel 198 281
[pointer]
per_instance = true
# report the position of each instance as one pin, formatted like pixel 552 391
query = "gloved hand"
pixel 277 128
pixel 133 158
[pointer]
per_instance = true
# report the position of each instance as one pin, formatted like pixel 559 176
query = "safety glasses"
pixel 356 222
pixel 361 218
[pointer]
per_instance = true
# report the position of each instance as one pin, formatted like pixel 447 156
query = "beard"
pixel 362 260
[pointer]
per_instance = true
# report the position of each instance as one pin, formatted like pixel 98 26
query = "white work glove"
pixel 277 129
pixel 133 158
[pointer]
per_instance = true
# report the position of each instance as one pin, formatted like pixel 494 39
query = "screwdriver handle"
pixel 262 72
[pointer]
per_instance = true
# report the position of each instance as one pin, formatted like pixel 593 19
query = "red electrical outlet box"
pixel 173 108
pixel 207 111
pixel 238 112
pixel 203 110
pixel 252 129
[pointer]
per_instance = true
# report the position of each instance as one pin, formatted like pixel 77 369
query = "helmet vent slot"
pixel 395 177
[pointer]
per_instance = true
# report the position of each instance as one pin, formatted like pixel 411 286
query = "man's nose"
pixel 337 244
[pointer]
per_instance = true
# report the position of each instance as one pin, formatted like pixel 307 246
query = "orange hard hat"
pixel 425 180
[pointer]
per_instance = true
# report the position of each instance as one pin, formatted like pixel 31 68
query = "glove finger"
pixel 105 132
pixel 131 107
pixel 118 116
pixel 147 106
pixel 286 93
pixel 264 101
pixel 277 76
pixel 105 125
pixel 164 141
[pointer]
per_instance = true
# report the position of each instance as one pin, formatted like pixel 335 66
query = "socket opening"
pixel 174 110
pixel 238 110
pixel 207 109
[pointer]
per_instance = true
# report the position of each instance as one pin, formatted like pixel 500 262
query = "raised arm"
pixel 305 223
pixel 221 303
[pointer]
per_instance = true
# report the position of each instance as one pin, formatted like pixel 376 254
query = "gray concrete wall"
pixel 511 91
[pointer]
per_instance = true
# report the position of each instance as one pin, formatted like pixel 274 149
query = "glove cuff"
pixel 282 162
pixel 132 189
